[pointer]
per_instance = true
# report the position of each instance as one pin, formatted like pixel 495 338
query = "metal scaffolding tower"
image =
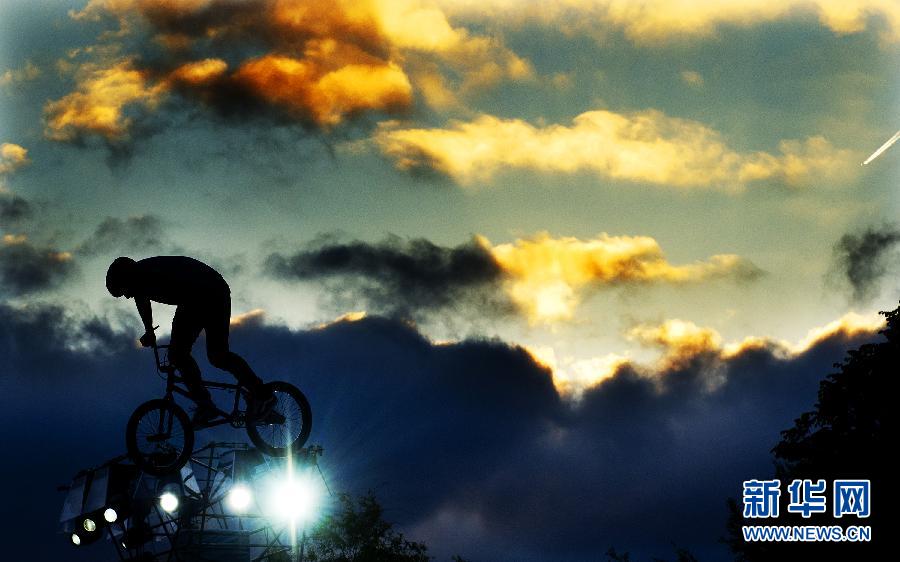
pixel 229 503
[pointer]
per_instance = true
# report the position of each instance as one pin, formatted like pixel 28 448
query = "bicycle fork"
pixel 164 427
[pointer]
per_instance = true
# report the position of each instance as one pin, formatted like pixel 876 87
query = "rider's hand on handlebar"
pixel 148 339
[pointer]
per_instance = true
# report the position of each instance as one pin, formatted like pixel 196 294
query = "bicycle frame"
pixel 236 417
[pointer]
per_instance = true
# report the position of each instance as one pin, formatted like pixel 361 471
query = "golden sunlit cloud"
pixel 352 316
pixel 99 101
pixel 327 97
pixel 199 73
pixel 682 340
pixel 14 239
pixel 849 325
pixel 320 62
pixel 249 318
pixel 572 377
pixel 681 343
pixel 677 334
pixel 60 256
pixel 646 146
pixel 648 21
pixel 546 277
pixel 12 157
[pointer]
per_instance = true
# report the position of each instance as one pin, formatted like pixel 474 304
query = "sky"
pixel 577 253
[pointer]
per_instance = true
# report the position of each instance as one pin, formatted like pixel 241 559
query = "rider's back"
pixel 177 280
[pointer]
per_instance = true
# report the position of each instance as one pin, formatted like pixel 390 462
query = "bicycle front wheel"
pixel 159 437
pixel 286 427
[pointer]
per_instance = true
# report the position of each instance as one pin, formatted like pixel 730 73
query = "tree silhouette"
pixel 357 532
pixel 681 555
pixel 848 435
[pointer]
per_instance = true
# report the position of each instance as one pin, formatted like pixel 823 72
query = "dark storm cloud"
pixel 406 278
pixel 26 269
pixel 468 445
pixel 865 258
pixel 646 462
pixel 44 344
pixel 141 234
pixel 67 386
pixel 13 209
pixel 475 432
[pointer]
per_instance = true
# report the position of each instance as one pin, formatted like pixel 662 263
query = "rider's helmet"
pixel 117 276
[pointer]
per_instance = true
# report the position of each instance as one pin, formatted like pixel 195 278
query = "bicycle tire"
pixel 278 439
pixel 170 452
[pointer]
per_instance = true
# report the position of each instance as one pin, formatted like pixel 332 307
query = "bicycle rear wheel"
pixel 159 437
pixel 286 427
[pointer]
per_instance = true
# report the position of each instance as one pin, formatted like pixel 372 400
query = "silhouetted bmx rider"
pixel 203 301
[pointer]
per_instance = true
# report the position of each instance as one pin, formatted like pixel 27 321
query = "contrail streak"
pixel 883 147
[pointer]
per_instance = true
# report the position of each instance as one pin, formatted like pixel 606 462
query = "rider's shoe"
pixel 204 413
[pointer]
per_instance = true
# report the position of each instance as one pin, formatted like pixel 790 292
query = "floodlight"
pixel 239 497
pixel 169 496
pixel 168 501
pixel 296 498
pixel 110 515
pixel 86 530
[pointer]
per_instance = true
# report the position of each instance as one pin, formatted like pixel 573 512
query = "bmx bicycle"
pixel 160 435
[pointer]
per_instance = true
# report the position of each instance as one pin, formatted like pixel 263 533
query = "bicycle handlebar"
pixel 160 365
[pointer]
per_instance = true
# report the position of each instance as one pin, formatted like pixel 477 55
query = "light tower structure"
pixel 228 503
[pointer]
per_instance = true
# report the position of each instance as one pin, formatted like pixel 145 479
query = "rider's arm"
pixel 143 307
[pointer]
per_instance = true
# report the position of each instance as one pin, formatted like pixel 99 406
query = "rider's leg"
pixel 217 350
pixel 186 328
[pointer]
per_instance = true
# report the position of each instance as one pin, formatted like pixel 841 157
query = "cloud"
pixel 72 380
pixel 572 376
pixel 547 277
pixel 13 210
pixel 487 440
pixel 12 157
pixel 542 277
pixel 404 278
pixel 849 326
pixel 644 146
pixel 686 339
pixel 468 444
pixel 14 76
pixel 681 341
pixel 864 259
pixel 692 78
pixel 139 234
pixel 684 345
pixel 326 97
pixel 316 63
pixel 26 268
pixel 251 317
pixel 100 101
pixel 652 21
